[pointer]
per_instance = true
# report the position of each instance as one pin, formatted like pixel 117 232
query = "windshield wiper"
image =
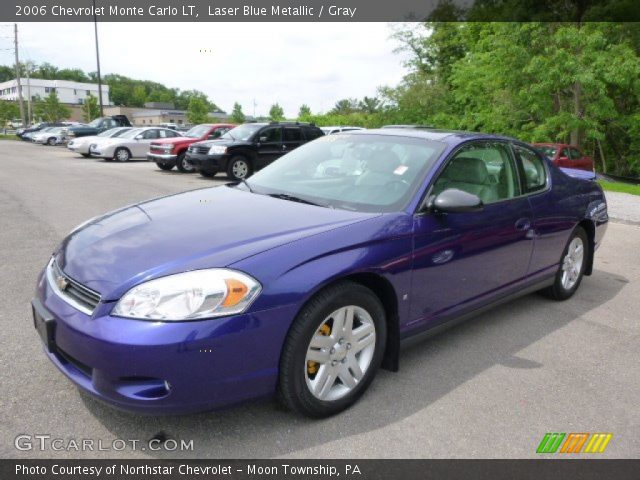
pixel 293 198
pixel 246 184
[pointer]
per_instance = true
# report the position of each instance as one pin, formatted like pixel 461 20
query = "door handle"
pixel 523 224
pixel 284 147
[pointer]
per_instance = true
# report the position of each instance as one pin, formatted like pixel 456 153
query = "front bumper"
pixel 163 368
pixel 162 158
pixel 207 163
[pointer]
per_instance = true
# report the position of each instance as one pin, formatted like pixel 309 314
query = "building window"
pixel 75 92
pixel 88 92
pixel 49 89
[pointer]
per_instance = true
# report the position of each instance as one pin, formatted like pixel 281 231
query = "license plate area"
pixel 44 324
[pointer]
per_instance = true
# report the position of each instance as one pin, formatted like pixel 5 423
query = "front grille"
pixel 72 292
pixel 86 369
pixel 199 149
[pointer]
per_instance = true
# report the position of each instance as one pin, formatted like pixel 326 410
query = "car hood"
pixel 224 143
pixel 174 140
pixel 211 227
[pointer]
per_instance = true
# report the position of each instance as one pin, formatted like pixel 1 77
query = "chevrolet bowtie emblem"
pixel 62 283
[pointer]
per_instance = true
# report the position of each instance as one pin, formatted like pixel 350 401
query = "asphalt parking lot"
pixel 491 387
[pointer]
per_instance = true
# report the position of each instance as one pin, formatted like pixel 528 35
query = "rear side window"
pixel 312 133
pixel 574 154
pixel 533 169
pixel 292 135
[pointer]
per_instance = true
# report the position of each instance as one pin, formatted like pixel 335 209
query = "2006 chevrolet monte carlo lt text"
pixel 306 278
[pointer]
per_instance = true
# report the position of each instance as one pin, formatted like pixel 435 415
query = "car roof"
pixel 428 133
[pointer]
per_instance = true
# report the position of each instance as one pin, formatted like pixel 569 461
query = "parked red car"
pixel 169 152
pixel 568 156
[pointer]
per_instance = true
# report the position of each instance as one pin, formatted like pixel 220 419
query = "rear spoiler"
pixel 580 174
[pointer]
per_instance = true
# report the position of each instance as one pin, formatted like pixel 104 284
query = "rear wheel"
pixel 122 155
pixel 333 350
pixel 572 267
pixel 239 168
pixel 163 166
pixel 183 165
pixel 51 141
pixel 86 155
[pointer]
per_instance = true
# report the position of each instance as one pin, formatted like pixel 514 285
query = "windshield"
pixel 198 131
pixel 548 150
pixel 114 132
pixel 243 132
pixel 95 123
pixel 367 173
pixel 131 133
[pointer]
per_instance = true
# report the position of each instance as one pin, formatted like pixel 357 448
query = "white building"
pixel 68 92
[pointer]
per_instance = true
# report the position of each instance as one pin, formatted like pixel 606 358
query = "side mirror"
pixel 139 137
pixel 563 159
pixel 262 139
pixel 453 200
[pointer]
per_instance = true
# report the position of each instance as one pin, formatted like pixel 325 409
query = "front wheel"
pixel 239 168
pixel 86 155
pixel 163 166
pixel 572 267
pixel 333 350
pixel 51 141
pixel 183 165
pixel 122 155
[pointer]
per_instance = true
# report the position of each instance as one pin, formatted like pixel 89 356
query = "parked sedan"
pixel 50 136
pixel 564 155
pixel 132 144
pixel 81 145
pixel 300 284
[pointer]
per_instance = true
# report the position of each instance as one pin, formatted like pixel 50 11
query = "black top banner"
pixel 319 10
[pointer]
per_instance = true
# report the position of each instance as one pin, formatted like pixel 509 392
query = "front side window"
pixel 485 169
pixel 271 135
pixel 574 154
pixel 535 173
pixel 150 134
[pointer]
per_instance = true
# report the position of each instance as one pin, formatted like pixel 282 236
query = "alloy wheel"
pixel 572 263
pixel 340 353
pixel 240 169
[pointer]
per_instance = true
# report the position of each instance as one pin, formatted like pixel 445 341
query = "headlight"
pixel 217 150
pixel 190 296
pixel 167 147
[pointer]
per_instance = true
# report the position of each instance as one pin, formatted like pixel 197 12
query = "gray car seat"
pixel 470 175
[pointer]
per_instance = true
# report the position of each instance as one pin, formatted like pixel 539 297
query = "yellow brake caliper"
pixel 312 367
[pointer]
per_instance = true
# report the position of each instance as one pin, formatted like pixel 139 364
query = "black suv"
pixel 249 147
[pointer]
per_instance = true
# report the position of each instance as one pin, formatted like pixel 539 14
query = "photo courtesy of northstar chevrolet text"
pixel 367 232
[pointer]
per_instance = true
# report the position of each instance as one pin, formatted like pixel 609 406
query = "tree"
pixel 276 113
pixel 90 108
pixel 236 114
pixel 304 114
pixel 50 109
pixel 198 111
pixel 345 106
pixel 8 111
pixel 370 105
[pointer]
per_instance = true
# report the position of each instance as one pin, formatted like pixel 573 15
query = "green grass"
pixel 620 187
pixel 8 137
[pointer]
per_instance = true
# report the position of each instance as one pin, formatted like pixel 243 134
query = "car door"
pixel 462 260
pixel 563 158
pixel 551 225
pixel 291 138
pixel 141 146
pixel 268 142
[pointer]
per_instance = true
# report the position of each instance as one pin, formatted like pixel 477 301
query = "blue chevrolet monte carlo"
pixel 306 278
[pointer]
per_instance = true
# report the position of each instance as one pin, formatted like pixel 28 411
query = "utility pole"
pixel 15 40
pixel 95 27
pixel 29 110
pixel 254 109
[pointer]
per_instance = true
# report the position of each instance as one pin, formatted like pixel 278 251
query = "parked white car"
pixel 132 144
pixel 81 144
pixel 338 129
pixel 50 136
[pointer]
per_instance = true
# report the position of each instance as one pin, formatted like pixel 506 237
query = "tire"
pixel 239 168
pixel 316 388
pixel 122 155
pixel 183 165
pixel 51 141
pixel 207 173
pixel 162 166
pixel 570 273
pixel 86 155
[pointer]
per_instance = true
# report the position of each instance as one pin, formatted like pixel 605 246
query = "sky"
pixel 288 63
